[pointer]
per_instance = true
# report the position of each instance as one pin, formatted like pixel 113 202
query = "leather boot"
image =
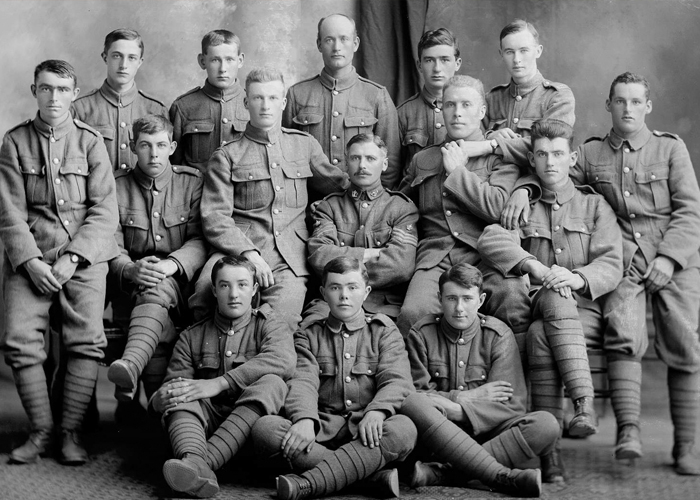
pixel 553 466
pixel 293 487
pixel 685 461
pixel 191 475
pixel 521 483
pixel 629 442
pixel 72 450
pixel 429 474
pixel 35 446
pixel 123 374
pixel 585 421
pixel 383 483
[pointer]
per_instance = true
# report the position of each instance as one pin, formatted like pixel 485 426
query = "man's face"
pixel 345 294
pixel 463 108
pixel 234 290
pixel 628 106
pixel 365 163
pixel 152 151
pixel 460 304
pixel 222 63
pixel 552 159
pixel 123 59
pixel 337 42
pixel 520 53
pixel 265 102
pixel 54 95
pixel 437 65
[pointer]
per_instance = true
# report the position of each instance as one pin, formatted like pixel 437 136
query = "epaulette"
pixel 151 98
pixel 428 319
pixel 584 188
pixel 366 80
pixel 594 138
pixel 184 169
pixel 187 93
pixel 379 318
pixel 122 173
pixel 336 193
pixel 552 85
pixel 499 87
pixel 196 324
pixel 412 98
pixel 494 324
pixel 88 94
pixel 659 133
pixel 294 131
pixel 237 136
pixel 399 193
pixel 87 127
pixel 264 310
pixel 23 124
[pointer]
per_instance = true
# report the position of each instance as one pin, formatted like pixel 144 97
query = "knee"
pixel 267 434
pixel 542 431
pixel 399 437
pixel 554 306
pixel 268 392
pixel 421 410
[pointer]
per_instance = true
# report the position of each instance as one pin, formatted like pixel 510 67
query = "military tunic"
pixel 421 124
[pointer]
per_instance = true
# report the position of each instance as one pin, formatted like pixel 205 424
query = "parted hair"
pixel 466 81
pixel 440 36
pixel 58 67
pixel 152 124
pixel 628 77
pixel 122 34
pixel 364 138
pixel 516 27
pixel 233 261
pixel 220 37
pixel 464 275
pixel 263 75
pixel 551 129
pixel 343 265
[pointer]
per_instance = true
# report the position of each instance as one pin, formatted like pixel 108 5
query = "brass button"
pixel 60 203
pixel 342 244
pixel 277 233
pixel 460 341
pixel 437 110
pixel 122 124
pixel 455 234
pixel 653 177
pixel 518 98
pixel 335 161
pixel 438 125
pixel 626 169
pixel 158 237
pixel 123 146
pixel 346 355
pixel 437 374
pixel 156 193
pixel 460 364
pixel 334 138
pixel 122 166
pixel 637 235
pixel 225 120
pixel 335 113
pixel 346 334
pixel 516 120
pixel 460 387
pixel 223 143
pixel 156 214
pixel 33 171
pixel 556 206
pixel 66 222
pixel 277 188
pixel 52 139
pixel 335 92
pixel 250 177
pixel 348 379
pixel 182 219
pixel 229 354
pixel 365 205
pixel 57 181
pixel 632 216
pixel 626 150
pixel 448 213
pixel 556 228
pixel 131 222
pixel 557 251
pixel 56 161
pixel 348 403
pixel 444 194
pixel 230 332
pixel 274 165
pixel 627 194
pixel 275 211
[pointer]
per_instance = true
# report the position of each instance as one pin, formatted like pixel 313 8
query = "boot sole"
pixel 582 430
pixel 120 375
pixel 184 479
pixel 285 488
pixel 628 452
pixel 393 483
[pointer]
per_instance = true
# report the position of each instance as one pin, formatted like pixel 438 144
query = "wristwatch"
pixel 494 145
pixel 74 258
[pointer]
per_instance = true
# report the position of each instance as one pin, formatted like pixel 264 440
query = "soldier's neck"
pixel 523 81
pixel 118 88
pixel 338 73
pixel 54 122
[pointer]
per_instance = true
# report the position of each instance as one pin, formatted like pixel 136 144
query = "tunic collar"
pixel 453 335
pixel 222 95
pixel 430 99
pixel 224 324
pixel 371 194
pixel 117 99
pixel 562 196
pixel 58 132
pixel 262 136
pixel 148 182
pixel 357 322
pixel 475 135
pixel 342 83
pixel 516 90
pixel 636 142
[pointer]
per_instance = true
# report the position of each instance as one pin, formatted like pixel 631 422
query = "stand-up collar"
pixel 367 194
pixel 222 95
pixel 475 135
pixel 117 99
pixel 148 182
pixel 58 132
pixel 562 196
pixel 357 322
pixel 636 142
pixel 262 136
pixel 224 324
pixel 430 99
pixel 342 83
pixel 526 88
pixel 453 335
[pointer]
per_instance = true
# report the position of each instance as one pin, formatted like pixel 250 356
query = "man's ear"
pixel 531 157
pixel 201 61
pixel 132 147
pixel 173 147
pixel 482 298
pixel 33 89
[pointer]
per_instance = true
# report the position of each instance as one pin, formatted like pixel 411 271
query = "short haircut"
pixel 320 23
pixel 628 77
pixel 344 265
pixel 365 138
pixel 58 67
pixel 464 275
pixel 440 36
pixel 220 37
pixel 551 129
pixel 516 27
pixel 232 261
pixel 466 81
pixel 263 75
pixel 152 124
pixel 123 34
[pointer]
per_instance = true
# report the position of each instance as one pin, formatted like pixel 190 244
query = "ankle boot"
pixel 383 483
pixel 629 442
pixel 553 467
pixel 191 475
pixel 685 461
pixel 521 483
pixel 293 487
pixel 585 421
pixel 35 446
pixel 429 474
pixel 72 450
pixel 123 373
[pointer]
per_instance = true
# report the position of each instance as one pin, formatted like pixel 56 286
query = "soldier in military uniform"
pixel 351 377
pixel 58 215
pixel 648 180
pixel 421 122
pixel 162 248
pixel 371 224
pixel 338 103
pixel 255 197
pixel 457 197
pixel 572 251
pixel 113 108
pixel 225 373
pixel 209 116
pixel 471 389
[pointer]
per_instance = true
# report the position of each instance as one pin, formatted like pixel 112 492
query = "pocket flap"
pixel 198 127
pixel 297 170
pixel 360 121
pixel 524 124
pixel 438 369
pixel 417 137
pixel 327 369
pixel 134 219
pixel 600 176
pixel 176 217
pixel 660 174
pixel 249 175
pixel 475 374
pixel 74 168
pixel 307 119
pixel 106 132
pixel 364 368
pixel 32 169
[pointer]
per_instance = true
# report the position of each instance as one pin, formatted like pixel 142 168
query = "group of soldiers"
pixel 460 246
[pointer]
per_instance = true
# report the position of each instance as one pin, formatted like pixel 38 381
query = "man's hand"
pixel 499 391
pixel 314 205
pixel 517 209
pixel 64 269
pixel 658 273
pixel 504 133
pixel 453 411
pixel 167 266
pixel 144 272
pixel 536 270
pixel 263 273
pixel 163 399
pixel 560 277
pixel 453 157
pixel 371 254
pixel 300 437
pixel 42 276
pixel 370 428
pixel 187 390
pixel 474 149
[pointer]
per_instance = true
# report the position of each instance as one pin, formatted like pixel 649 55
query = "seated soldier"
pixel 225 373
pixel 471 389
pixel 371 224
pixel 352 376
pixel 572 251
pixel 161 199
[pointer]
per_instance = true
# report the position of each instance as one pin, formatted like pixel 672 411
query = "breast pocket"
pixel 379 236
pixel 415 138
pixel 34 174
pixel 74 174
pixel 429 198
pixel 578 234
pixel 107 132
pixel 175 222
pixel 251 187
pixel 361 124
pixel 523 127
pixel 652 183
pixel 296 192
pixel 365 373
pixel 327 391
pixel 198 137
pixel 135 227
pixel 604 180
pixel 439 374
pixel 309 121
pixel 475 376
pixel 535 236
